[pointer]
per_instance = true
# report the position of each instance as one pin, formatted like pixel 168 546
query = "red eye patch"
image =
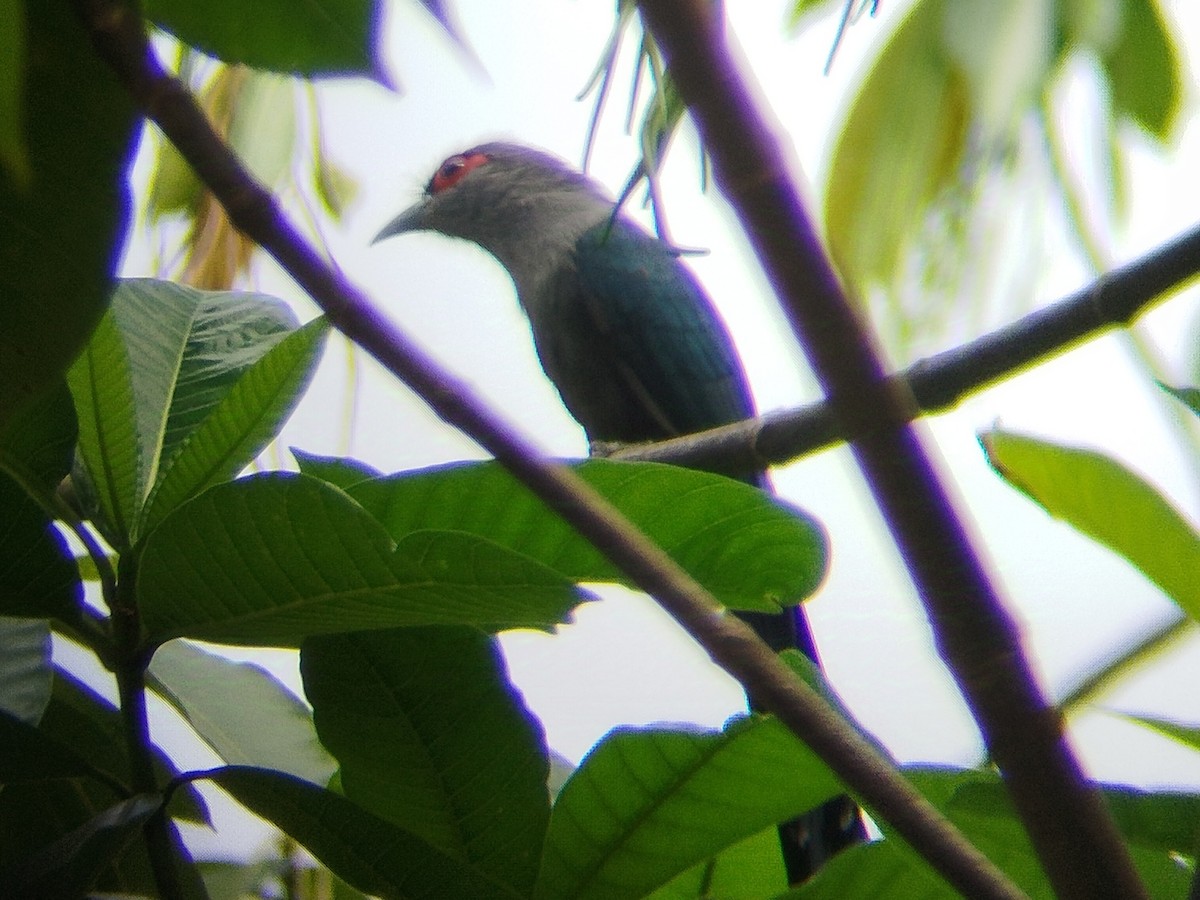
pixel 454 170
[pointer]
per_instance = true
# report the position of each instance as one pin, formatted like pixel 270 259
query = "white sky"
pixel 623 661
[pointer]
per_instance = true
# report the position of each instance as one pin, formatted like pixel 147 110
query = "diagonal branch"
pixel 1075 837
pixel 941 381
pixel 119 37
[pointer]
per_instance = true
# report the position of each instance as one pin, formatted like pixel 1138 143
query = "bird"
pixel 627 335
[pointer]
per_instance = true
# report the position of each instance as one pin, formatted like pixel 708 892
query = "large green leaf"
pixel 1103 499
pixel 366 851
pixel 431 736
pixel 275 558
pixel 38 577
pixel 174 385
pixel 240 424
pixel 72 864
pixel 25 674
pixel 648 804
pixel 63 221
pixel 241 711
pixel 333 37
pixel 750 549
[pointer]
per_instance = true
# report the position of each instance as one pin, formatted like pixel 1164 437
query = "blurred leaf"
pixel 12 126
pixel 1102 499
pixel 241 423
pixel 648 804
pixel 1144 69
pixel 37 443
pixel 338 471
pixel 71 865
pixel 1189 396
pixel 241 711
pixel 431 736
pixel 25 674
pixel 333 37
pixel 881 870
pixel 174 186
pixel 753 551
pixel 38 578
pixel 900 145
pixel 370 853
pixel 1187 735
pixel 62 226
pixel 275 558
pixel 336 187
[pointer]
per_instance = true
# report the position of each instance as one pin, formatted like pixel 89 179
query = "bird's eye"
pixel 454 170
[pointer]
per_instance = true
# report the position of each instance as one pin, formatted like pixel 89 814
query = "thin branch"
pixel 1072 831
pixel 118 35
pixel 942 381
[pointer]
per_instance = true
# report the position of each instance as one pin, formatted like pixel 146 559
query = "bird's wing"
pixel 669 345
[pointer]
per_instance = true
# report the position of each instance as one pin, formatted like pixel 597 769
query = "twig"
pixel 118 35
pixel 1072 832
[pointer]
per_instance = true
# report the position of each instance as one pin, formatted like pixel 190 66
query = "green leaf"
pixel 748 869
pixel 977 802
pixel 38 577
pixel 71 865
pixel 241 423
pixel 1102 499
pixel 25 674
pixel 63 224
pixel 333 37
pixel 342 473
pixel 751 550
pixel 165 360
pixel 648 804
pixel 112 467
pixel 241 711
pixel 431 736
pixel 900 145
pixel 275 558
pixel 366 851
pixel 1144 70
pixel 881 870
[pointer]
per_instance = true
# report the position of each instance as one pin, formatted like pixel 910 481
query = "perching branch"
pixel 1072 832
pixel 941 381
pixel 118 34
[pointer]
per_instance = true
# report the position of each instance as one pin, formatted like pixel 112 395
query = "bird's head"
pixel 515 202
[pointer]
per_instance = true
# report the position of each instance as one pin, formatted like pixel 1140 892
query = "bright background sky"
pixel 623 661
